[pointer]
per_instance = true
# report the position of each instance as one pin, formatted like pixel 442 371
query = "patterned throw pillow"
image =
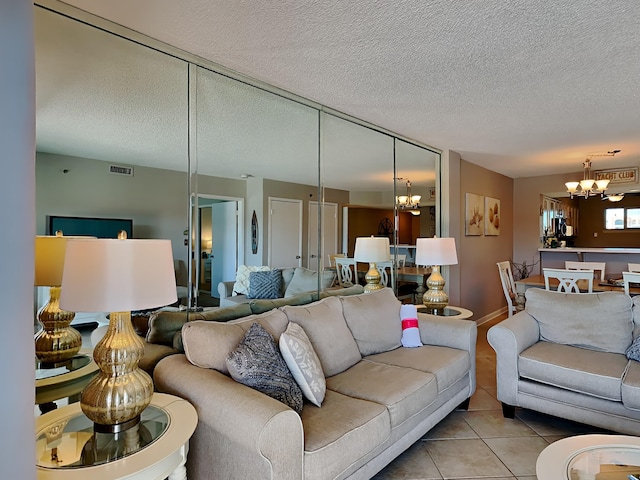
pixel 265 284
pixel 633 352
pixel 303 362
pixel 257 363
pixel 241 287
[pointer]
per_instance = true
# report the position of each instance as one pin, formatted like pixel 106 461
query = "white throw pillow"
pixel 303 362
pixel 241 287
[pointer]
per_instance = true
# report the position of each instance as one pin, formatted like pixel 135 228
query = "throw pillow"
pixel 305 280
pixel 265 284
pixel 303 362
pixel 257 363
pixel 241 287
pixel 633 352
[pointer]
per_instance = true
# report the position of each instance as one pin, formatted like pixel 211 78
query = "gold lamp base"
pixel 373 279
pixel 57 341
pixel 116 397
pixel 435 299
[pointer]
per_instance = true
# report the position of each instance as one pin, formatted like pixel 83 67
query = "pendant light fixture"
pixel 588 186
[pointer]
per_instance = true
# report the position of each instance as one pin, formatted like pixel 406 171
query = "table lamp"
pixel 436 252
pixel 57 341
pixel 372 250
pixel 117 276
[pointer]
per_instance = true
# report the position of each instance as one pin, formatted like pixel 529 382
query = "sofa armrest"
pixel 509 338
pixel 225 289
pixel 452 333
pixel 241 432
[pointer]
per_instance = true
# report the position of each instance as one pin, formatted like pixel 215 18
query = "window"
pixel 614 218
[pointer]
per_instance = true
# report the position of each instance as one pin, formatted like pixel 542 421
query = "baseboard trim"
pixel 492 316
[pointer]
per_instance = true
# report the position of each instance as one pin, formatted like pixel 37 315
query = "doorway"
pixel 329 241
pixel 285 233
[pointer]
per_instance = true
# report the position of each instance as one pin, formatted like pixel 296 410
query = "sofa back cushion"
pixel 207 344
pixel 264 305
pixel 636 316
pixel 305 280
pixel 374 320
pixel 597 321
pixel 327 330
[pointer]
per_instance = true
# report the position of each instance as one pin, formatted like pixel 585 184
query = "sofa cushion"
pixel 342 430
pixel 404 391
pixel 325 326
pixel 333 292
pixel 305 280
pixel 577 369
pixel 264 305
pixel 265 284
pixel 241 286
pixel 449 365
pixel 303 362
pixel 206 344
pixel 257 363
pixel 636 316
pixel 631 386
pixel 581 319
pixel 374 320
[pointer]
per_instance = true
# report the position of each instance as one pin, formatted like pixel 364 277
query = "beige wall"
pixel 480 288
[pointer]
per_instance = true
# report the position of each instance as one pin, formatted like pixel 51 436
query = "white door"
pixel 329 233
pixel 224 244
pixel 285 233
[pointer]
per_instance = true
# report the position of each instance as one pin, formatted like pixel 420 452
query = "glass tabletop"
pixel 72 442
pixel 48 370
pixel 441 312
pixel 605 463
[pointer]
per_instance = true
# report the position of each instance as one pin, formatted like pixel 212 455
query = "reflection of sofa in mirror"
pixel 380 397
pixel 271 284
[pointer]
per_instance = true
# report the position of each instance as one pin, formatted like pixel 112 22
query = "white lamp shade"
pixel 372 249
pixel 111 275
pixel 436 251
pixel 49 260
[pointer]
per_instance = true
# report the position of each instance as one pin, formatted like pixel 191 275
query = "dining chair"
pixel 508 285
pixel 633 267
pixel 596 266
pixel 568 279
pixel 346 270
pixel 630 277
pixel 332 257
pixel 386 273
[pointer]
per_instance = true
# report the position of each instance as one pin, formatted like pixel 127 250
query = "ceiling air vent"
pixel 120 170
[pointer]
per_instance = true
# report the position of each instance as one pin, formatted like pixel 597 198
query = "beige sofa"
pixel 564 355
pixel 380 397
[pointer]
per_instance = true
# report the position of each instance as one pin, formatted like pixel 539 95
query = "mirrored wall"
pixel 231 170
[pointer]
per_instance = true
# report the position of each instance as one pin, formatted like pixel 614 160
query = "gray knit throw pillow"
pixel 633 352
pixel 257 363
pixel 265 284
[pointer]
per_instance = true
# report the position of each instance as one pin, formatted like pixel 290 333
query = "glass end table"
pixel 448 312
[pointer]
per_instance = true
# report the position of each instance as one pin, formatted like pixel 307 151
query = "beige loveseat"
pixel 380 397
pixel 564 355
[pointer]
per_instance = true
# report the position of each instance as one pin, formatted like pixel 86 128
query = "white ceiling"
pixel 524 88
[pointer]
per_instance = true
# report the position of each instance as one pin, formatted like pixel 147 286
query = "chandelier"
pixel 409 202
pixel 588 186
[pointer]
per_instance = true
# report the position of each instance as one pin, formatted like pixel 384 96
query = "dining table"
pixel 537 281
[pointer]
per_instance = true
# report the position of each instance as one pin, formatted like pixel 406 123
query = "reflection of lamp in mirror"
pixel 57 341
pixel 118 275
pixel 436 252
pixel 372 250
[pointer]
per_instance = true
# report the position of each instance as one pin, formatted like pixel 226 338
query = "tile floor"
pixel 480 442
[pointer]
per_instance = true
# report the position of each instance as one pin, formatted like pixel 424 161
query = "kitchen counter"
pixel 616 258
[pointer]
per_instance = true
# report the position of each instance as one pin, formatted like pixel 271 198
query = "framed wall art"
pixel 492 215
pixel 474 214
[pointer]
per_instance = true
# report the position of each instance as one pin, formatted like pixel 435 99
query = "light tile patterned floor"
pixel 480 443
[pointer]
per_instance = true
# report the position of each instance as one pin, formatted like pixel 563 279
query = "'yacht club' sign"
pixel 618 175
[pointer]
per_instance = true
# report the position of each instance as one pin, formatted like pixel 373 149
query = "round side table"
pixel 450 311
pixel 67 448
pixel 587 457
pixel 63 379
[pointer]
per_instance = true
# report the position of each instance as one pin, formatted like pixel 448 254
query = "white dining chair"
pixel 595 266
pixel 508 285
pixel 346 270
pixel 633 267
pixel 386 273
pixel 332 258
pixel 568 279
pixel 630 277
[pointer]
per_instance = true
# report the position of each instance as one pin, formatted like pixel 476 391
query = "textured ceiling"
pixel 525 87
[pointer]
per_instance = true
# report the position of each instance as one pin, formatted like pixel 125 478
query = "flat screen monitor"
pixel 92 227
